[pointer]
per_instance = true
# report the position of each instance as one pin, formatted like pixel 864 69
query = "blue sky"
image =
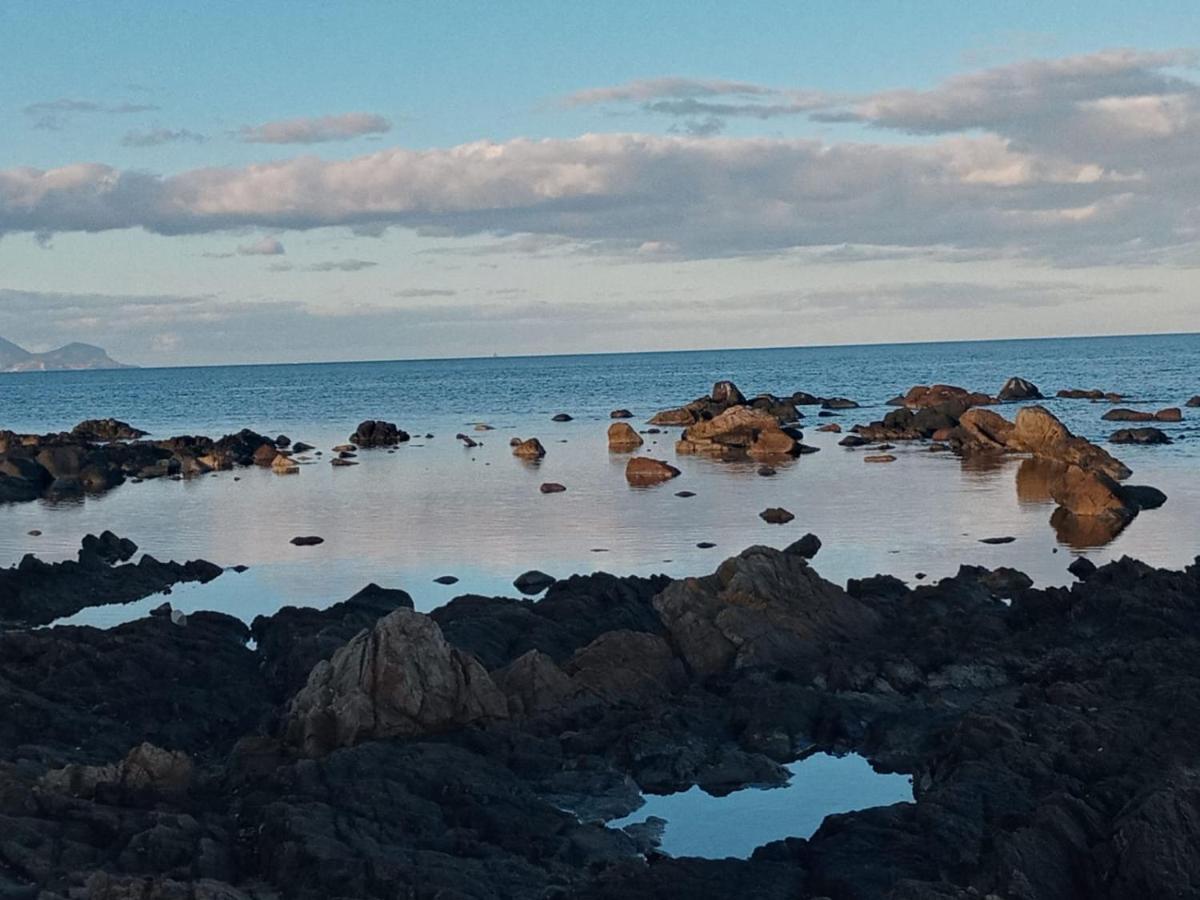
pixel 788 173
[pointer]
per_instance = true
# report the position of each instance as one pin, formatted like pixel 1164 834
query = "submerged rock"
pixel 1139 436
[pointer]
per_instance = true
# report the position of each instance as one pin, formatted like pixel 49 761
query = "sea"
pixel 434 507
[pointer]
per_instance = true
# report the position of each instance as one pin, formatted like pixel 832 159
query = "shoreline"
pixel 974 686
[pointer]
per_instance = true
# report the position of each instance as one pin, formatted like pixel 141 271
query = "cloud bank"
pixel 1080 160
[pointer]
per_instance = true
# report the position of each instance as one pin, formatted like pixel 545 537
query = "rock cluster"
pixel 377 433
pixel 726 396
pixel 740 431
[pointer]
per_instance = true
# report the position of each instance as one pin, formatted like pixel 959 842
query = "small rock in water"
pixel 467 442
pixel 1007 539
pixel 480 426
pixel 283 441
pixel 561 417
pixel 626 414
pixel 879 458
pixel 832 428
pixel 920 576
pixel 852 440
pixel 309 540
pixel 529 449
pixel 338 461
pixel 776 515
pixel 706 545
pixel 766 471
pixel 533 582
pixel 301 447
pixel 344 448
pixel 446 579
pixel 552 487
pixel 685 493
pixel 35 533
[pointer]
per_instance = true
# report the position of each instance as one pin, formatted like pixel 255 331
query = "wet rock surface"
pixel 34 592
pixel 1051 736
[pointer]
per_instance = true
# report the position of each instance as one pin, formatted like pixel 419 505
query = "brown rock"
pixel 681 416
pixel 265 455
pixel 1171 414
pixel 831 428
pixel 925 396
pixel 626 666
pixel 1193 402
pixel 529 449
pixel 283 465
pixel 552 487
pixel 727 394
pixel 1038 432
pixel 739 430
pixel 642 470
pixel 879 458
pixel 622 437
pixel 985 429
pixel 620 414
pixel 1019 389
pixel 399 679
pixel 1128 415
pixel 533 683
pixel 776 515
pixel 1090 493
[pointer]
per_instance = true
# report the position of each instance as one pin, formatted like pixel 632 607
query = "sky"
pixel 292 181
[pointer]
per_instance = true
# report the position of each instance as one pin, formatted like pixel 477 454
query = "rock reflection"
pixel 983 465
pixel 1085 532
pixel 1034 478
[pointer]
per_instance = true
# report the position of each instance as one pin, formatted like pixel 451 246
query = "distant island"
pixel 73 356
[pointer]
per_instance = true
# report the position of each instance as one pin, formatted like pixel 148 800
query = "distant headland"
pixel 73 356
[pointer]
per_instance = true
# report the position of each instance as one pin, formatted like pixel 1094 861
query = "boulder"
pixel 533 683
pixel 530 448
pixel 830 427
pixel 830 403
pixel 642 470
pixel 879 458
pixel 985 429
pixel 726 393
pixel 762 608
pixel 1193 402
pixel 682 416
pixel 1039 432
pixel 620 414
pixel 1171 414
pixel 284 465
pixel 1018 389
pixel 626 667
pixel 552 487
pixel 1089 493
pixel 1139 436
pixel 623 437
pixel 307 540
pixel 739 430
pixel 265 455
pixel 561 417
pixel 399 679
pixel 377 433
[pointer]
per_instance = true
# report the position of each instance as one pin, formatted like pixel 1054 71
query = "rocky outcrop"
pixel 1039 432
pixel 398 679
pixel 642 470
pixel 377 433
pixel 740 431
pixel 146 770
pixel 622 438
pixel 96 430
pixel 34 592
pixel 762 608
pixel 1172 414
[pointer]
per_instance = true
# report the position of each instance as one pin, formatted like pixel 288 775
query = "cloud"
pixel 654 88
pixel 51 115
pixel 156 137
pixel 1099 167
pixel 266 246
pixel 341 265
pixel 317 130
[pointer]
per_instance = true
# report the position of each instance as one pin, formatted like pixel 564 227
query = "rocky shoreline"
pixel 367 750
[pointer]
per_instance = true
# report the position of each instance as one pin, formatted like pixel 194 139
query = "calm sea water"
pixel 435 508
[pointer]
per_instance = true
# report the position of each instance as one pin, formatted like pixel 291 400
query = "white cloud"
pixel 156 137
pixel 264 246
pixel 315 130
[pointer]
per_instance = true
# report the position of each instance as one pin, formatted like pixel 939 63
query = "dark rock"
pixel 1139 436
pixel 377 433
pixel 1007 539
pixel 685 494
pixel 853 440
pixel 620 414
pixel 561 417
pixel 529 449
pixel 446 579
pixel 1082 568
pixel 310 540
pixel 552 487
pixel 1018 389
pixel 467 440
pixel 807 547
pixel 533 582
pixel 776 515
pixel 104 430
pixel 838 403
pixel 301 447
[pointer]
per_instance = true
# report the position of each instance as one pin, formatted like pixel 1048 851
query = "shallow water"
pixel 434 508
pixel 699 824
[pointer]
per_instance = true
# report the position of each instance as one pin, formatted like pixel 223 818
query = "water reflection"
pixel 1034 477
pixel 699 824
pixel 1085 532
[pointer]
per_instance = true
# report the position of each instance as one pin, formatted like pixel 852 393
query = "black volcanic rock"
pixel 34 592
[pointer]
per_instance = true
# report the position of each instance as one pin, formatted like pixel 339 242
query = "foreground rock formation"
pixel 1050 734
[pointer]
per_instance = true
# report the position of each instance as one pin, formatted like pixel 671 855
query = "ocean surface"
pixel 436 508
